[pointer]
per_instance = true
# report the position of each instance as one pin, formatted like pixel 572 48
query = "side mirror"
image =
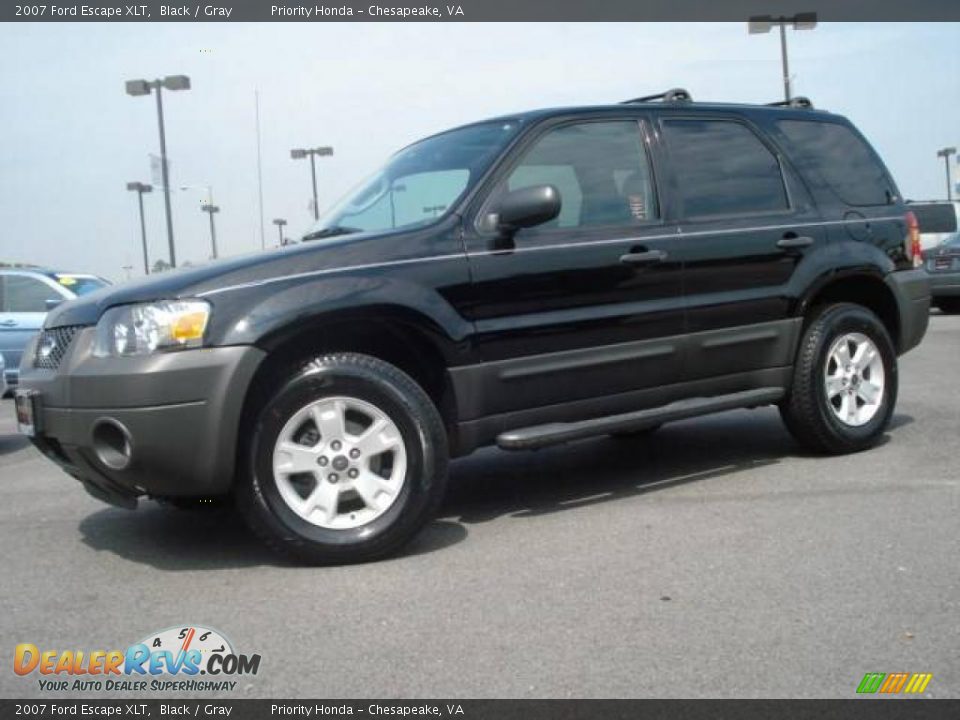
pixel 51 303
pixel 526 207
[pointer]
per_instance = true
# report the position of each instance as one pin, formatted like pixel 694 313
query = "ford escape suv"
pixel 520 282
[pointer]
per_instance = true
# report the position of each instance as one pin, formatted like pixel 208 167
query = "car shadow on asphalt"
pixel 488 485
pixel 170 539
pixel 493 484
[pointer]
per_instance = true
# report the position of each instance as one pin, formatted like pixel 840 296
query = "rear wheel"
pixel 347 461
pixel 845 381
pixel 949 305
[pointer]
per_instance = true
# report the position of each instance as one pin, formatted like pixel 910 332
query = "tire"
pixel 393 494
pixel 812 417
pixel 948 305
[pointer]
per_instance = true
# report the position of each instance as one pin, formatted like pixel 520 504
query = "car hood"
pixel 326 254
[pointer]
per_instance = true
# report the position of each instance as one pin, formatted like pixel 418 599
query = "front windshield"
pixel 419 184
pixel 80 284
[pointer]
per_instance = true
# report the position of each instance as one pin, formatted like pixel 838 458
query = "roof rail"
pixel 795 102
pixel 672 95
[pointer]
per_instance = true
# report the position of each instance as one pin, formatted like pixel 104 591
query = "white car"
pixel 26 295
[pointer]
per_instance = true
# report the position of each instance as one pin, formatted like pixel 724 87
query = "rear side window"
pixel 841 158
pixel 722 168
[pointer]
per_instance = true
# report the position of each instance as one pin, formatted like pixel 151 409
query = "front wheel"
pixel 845 381
pixel 347 461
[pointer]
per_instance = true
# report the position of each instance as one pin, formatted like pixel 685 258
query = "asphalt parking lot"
pixel 713 559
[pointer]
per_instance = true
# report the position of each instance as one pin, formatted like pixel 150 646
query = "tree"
pixel 161 265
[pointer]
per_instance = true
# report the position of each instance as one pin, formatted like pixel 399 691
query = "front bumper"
pixel 911 288
pixel 944 284
pixel 174 416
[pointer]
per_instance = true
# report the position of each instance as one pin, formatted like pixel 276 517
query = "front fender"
pixel 263 315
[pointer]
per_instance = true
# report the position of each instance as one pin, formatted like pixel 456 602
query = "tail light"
pixel 912 241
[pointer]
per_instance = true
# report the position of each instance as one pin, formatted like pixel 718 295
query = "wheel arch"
pixel 401 336
pixel 863 286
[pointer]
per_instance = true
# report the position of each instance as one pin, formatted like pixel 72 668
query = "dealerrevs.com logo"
pixel 169 660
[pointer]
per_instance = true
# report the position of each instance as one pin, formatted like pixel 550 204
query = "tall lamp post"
pixel 945 153
pixel 207 207
pixel 140 188
pixel 280 222
pixel 764 23
pixel 144 87
pixel 312 153
pixel 210 209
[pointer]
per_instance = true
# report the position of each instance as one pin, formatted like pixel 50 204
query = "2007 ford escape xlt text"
pixel 524 281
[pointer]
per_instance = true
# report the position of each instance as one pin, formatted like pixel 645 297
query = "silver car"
pixel 26 295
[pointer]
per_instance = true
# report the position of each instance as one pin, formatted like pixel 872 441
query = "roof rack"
pixel 795 102
pixel 672 95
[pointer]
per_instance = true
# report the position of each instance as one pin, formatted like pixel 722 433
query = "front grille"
pixel 53 345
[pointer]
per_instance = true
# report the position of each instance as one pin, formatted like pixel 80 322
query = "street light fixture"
pixel 280 222
pixel 760 24
pixel 137 88
pixel 210 209
pixel 313 153
pixel 140 188
pixel 945 153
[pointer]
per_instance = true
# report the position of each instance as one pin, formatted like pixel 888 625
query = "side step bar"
pixel 541 436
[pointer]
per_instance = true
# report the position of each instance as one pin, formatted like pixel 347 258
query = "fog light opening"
pixel 111 443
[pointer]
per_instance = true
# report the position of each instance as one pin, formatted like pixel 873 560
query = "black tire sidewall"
pixel 329 379
pixel 846 320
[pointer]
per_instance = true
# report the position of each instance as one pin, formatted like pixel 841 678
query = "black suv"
pixel 524 281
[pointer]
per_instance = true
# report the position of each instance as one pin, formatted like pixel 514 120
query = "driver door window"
pixel 601 170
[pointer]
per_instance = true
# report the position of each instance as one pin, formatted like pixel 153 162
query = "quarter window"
pixel 839 156
pixel 722 168
pixel 601 170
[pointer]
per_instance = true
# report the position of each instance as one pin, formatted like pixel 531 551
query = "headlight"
pixel 148 327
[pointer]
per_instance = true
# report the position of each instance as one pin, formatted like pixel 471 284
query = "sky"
pixel 72 138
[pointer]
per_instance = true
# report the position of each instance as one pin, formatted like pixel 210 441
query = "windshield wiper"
pixel 330 232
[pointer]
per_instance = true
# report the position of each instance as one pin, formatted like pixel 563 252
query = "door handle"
pixel 8 323
pixel 793 242
pixel 643 257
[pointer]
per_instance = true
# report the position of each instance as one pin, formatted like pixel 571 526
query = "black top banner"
pixel 475 10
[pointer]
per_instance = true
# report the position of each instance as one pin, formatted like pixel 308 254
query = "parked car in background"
pixel 26 296
pixel 943 264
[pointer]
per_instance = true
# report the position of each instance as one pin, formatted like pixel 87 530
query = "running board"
pixel 540 436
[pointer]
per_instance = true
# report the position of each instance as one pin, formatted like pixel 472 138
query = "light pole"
pixel 280 222
pixel 763 23
pixel 945 153
pixel 140 188
pixel 313 153
pixel 207 207
pixel 210 210
pixel 144 87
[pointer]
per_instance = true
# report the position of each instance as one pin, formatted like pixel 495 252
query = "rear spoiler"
pixel 934 217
